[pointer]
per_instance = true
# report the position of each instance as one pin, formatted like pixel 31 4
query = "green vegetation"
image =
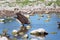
pixel 53 32
pixel 50 3
pixel 42 0
pixel 8 19
pixel 58 2
pixel 27 2
pixel 23 3
pixel 14 39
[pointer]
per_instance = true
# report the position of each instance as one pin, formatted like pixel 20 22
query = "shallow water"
pixel 37 22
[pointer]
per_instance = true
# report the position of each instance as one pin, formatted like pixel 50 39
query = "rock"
pixel 21 33
pixel 38 18
pixel 5 32
pixel 0 37
pixel 4 38
pixel 46 12
pixel 28 27
pixel 14 32
pixel 22 30
pixel 39 32
pixel 27 16
pixel 1 20
pixel 48 16
pixel 25 36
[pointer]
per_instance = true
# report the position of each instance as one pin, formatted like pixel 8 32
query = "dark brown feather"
pixel 22 18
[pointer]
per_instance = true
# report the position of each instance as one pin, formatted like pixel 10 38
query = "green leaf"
pixel 58 2
pixel 50 3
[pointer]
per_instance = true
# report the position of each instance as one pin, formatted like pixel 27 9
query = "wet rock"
pixel 5 35
pixel 5 32
pixel 1 20
pixel 14 33
pixel 25 36
pixel 39 32
pixel 47 12
pixel 21 33
pixel 28 27
pixel 27 16
pixel 22 30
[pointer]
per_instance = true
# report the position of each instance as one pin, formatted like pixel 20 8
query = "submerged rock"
pixel 5 32
pixel 38 18
pixel 23 30
pixel 48 16
pixel 14 39
pixel 41 15
pixel 47 20
pixel 53 32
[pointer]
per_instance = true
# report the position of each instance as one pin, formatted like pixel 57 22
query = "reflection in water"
pixel 40 33
pixel 37 38
pixel 58 25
